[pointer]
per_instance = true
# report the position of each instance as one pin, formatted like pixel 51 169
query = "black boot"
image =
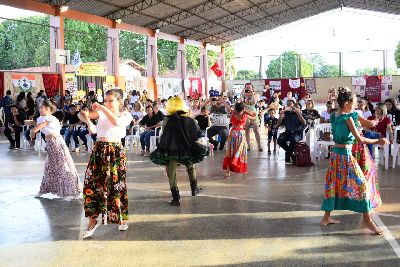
pixel 175 197
pixel 195 190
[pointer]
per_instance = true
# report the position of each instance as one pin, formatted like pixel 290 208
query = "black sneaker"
pixel 269 152
pixel 12 147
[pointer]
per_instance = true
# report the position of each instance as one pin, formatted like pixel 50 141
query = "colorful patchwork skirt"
pixel 104 189
pixel 236 154
pixel 60 176
pixel 361 154
pixel 346 187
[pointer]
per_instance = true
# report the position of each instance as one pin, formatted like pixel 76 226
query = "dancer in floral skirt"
pixel 104 191
pixel 60 176
pixel 346 186
pixel 236 155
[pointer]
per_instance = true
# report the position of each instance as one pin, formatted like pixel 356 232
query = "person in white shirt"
pixel 134 98
pixel 60 175
pixel 289 96
pixel 105 191
pixel 326 114
pixel 362 106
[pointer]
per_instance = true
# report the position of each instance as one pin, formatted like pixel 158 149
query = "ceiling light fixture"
pixel 63 9
pixel 157 30
pixel 118 21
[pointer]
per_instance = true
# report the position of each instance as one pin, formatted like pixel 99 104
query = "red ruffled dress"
pixel 236 153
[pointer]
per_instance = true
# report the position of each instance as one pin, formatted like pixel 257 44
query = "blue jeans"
pixel 82 135
pixel 371 135
pixel 74 134
pixel 145 139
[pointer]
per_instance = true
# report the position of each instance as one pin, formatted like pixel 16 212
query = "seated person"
pixel 326 114
pixel 310 114
pixel 70 122
pixel 14 125
pixel 149 122
pixel 289 96
pixel 203 119
pixel 383 125
pixel 218 106
pixel 294 123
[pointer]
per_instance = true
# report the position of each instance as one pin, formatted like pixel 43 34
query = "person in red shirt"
pixel 382 126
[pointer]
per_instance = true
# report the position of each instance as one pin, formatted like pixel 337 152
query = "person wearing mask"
pixel 14 125
pixel 310 114
pixel 218 106
pixel 149 122
pixel 6 104
pixel 294 123
pixel 326 114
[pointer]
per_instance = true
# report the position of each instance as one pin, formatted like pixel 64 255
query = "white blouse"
pixel 108 130
pixel 53 126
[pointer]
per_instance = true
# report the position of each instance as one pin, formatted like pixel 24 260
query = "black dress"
pixel 179 142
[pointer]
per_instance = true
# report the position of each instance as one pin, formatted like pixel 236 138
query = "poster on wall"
pixel 310 86
pixel 294 83
pixel 92 87
pixel 275 85
pixel 373 88
pixel 24 83
pixel 90 69
pixel 71 84
pixel 358 81
pixel 196 88
pixel 387 79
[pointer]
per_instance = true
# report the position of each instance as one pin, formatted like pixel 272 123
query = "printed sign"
pixel 294 83
pixel 373 88
pixel 89 69
pixel 310 86
pixel 275 85
pixel 358 81
pixel 24 82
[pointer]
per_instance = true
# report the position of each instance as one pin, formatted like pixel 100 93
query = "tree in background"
pixel 247 75
pixel 133 46
pixel 290 63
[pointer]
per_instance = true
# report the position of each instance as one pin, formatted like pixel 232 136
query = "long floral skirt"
pixel 236 154
pixel 104 189
pixel 60 176
pixel 346 187
pixel 361 154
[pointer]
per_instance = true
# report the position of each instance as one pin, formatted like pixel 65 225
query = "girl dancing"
pixel 178 145
pixel 60 176
pixel 104 189
pixel 346 186
pixel 236 155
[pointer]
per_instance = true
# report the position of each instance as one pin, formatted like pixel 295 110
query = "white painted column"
pixel 181 61
pixel 55 41
pixel 204 67
pixel 113 53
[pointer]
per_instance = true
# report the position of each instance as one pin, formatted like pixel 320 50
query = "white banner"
pixel 387 80
pixel 358 81
pixel 294 83
pixel 275 85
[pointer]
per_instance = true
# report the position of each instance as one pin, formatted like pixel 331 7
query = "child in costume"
pixel 104 189
pixel 236 155
pixel 60 175
pixel 346 186
pixel 178 145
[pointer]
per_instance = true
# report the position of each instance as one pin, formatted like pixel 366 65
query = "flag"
pixel 216 70
pixel 76 60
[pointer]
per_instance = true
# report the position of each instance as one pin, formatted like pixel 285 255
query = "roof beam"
pixel 290 13
pixel 173 19
pixel 132 9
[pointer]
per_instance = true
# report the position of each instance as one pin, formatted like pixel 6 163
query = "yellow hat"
pixel 176 104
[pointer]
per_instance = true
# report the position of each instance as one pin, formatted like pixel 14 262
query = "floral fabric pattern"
pixel 60 176
pixel 104 189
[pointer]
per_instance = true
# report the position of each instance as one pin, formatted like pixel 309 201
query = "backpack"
pixel 303 155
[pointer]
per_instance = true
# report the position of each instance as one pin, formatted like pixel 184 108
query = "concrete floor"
pixel 268 218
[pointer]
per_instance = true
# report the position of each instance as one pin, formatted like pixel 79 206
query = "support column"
pixel 204 67
pixel 113 53
pixel 221 63
pixel 181 60
pixel 57 42
pixel 152 62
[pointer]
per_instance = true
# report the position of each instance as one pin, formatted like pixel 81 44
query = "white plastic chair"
pixel 24 142
pixel 154 138
pixel 2 116
pixel 395 148
pixel 385 156
pixel 90 142
pixel 39 146
pixel 323 127
pixel 132 139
